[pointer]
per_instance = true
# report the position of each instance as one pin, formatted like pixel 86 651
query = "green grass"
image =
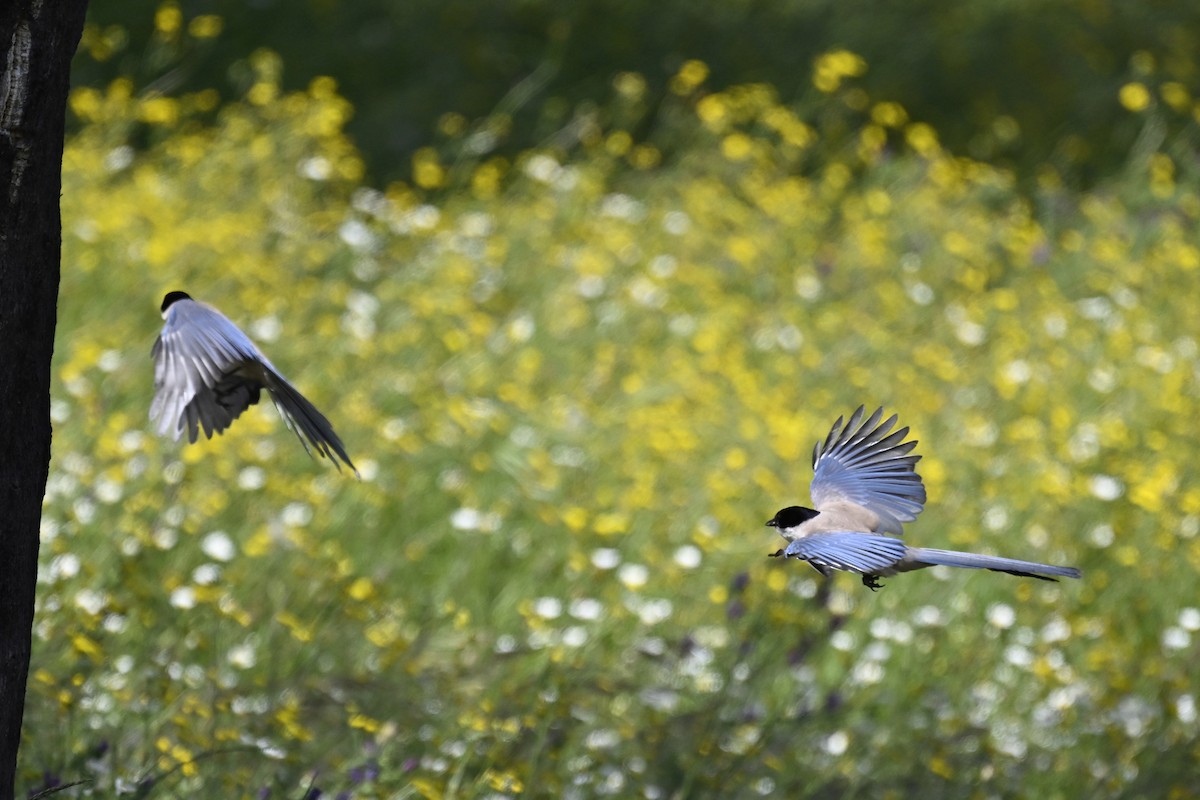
pixel 576 389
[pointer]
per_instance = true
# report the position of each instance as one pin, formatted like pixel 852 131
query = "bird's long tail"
pixel 925 556
pixel 304 418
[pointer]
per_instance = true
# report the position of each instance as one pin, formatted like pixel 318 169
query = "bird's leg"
pixel 872 582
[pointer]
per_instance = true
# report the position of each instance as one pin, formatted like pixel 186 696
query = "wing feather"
pixel 867 464
pixel 864 553
pixel 198 349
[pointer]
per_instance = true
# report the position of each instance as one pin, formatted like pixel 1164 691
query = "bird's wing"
pixel 193 356
pixel 863 464
pixel 864 553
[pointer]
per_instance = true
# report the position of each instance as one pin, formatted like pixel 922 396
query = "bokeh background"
pixel 580 288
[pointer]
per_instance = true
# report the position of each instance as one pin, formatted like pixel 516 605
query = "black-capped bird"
pixel 207 372
pixel 865 486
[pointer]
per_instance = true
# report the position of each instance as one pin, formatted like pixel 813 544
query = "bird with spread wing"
pixel 207 372
pixel 865 486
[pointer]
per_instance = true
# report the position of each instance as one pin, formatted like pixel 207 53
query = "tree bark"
pixel 37 40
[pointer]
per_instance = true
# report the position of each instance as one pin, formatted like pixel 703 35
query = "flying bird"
pixel 207 372
pixel 865 486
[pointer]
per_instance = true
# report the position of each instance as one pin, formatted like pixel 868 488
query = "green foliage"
pixel 1024 83
pixel 576 389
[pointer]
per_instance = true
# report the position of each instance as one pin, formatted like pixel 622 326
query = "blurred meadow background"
pixel 579 290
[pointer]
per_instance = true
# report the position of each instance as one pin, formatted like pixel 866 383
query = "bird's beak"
pixel 772 523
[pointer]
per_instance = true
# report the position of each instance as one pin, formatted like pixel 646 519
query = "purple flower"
pixel 735 610
pixel 49 781
pixel 739 583
pixel 365 772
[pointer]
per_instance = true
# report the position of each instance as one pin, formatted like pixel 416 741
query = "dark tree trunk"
pixel 37 40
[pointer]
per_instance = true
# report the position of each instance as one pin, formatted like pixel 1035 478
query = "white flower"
pixel 547 607
pixel 91 601
pixel 634 576
pixel 1176 638
pixel 586 608
pixel 605 558
pixel 206 574
pixel 218 546
pixel 837 743
pixel 184 597
pixel 65 566
pixel 1105 487
pixel 1001 615
pixel 252 478
pixel 242 656
pixel 1189 619
pixel 653 612
pixel 688 556
pixel 465 519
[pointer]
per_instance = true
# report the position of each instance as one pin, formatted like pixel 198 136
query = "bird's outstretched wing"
pixel 195 359
pixel 864 553
pixel 862 463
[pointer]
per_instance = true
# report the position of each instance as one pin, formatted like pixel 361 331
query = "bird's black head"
pixel 174 297
pixel 791 516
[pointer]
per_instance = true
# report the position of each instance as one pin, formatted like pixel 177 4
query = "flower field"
pixel 576 385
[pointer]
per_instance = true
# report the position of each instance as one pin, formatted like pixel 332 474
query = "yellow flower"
pixel 690 75
pixel 736 146
pixel 361 589
pixel 618 143
pixel 922 139
pixel 609 523
pixel 168 19
pixel 364 723
pixel 1134 96
pixel 835 66
pixel 712 111
pixel 205 26
pixel 630 84
pixel 427 171
pixel 889 115
pixel 575 518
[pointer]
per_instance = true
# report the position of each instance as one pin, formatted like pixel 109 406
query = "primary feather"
pixel 861 463
pixel 864 553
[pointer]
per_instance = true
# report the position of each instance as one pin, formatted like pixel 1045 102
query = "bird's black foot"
pixel 776 554
pixel 872 582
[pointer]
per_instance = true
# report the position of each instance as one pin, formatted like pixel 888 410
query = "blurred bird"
pixel 865 485
pixel 207 372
